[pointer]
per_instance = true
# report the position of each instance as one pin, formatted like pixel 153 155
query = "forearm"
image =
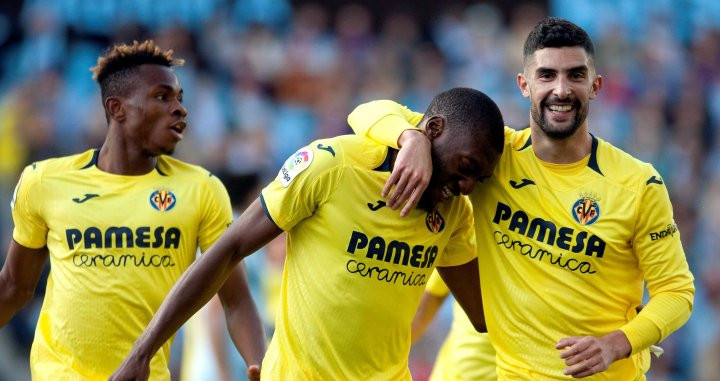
pixel 247 332
pixel 194 288
pixel 11 299
pixel 18 278
pixel 664 314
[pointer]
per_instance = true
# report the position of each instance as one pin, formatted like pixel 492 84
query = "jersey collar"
pixel 96 154
pixel 592 162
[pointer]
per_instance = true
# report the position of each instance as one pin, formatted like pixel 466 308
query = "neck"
pixel 119 156
pixel 561 151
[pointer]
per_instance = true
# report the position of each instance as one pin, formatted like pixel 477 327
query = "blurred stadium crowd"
pixel 263 77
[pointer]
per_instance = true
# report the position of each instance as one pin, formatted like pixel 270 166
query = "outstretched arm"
pixel 19 277
pixel 464 283
pixel 197 285
pixel 243 320
pixel 394 125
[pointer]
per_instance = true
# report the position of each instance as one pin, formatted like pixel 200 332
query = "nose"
pixel 179 109
pixel 562 88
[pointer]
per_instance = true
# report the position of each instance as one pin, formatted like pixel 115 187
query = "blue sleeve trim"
pixel 385 165
pixel 267 212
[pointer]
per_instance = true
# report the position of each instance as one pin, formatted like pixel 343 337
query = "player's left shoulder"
pixel 361 152
pixel 625 169
pixel 182 171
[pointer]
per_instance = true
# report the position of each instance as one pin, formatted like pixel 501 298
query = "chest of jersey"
pixel 578 222
pixel 148 221
pixel 367 234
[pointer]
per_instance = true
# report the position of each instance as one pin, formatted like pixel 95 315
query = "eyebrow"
pixel 581 68
pixel 168 87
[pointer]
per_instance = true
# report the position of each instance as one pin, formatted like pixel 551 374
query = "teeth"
pixel 446 192
pixel 558 108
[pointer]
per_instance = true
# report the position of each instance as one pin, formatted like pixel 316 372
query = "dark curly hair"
pixel 554 32
pixel 114 69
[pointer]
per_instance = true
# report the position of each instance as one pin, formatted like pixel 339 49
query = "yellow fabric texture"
pixel 117 245
pixel 564 250
pixel 354 271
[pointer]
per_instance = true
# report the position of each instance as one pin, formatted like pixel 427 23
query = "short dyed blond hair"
pixel 113 69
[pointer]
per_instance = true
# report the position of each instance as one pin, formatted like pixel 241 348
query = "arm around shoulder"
pixel 383 121
pixel 197 285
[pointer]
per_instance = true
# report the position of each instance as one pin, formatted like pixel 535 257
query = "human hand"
pixel 588 355
pixel 132 369
pixel 253 373
pixel 411 172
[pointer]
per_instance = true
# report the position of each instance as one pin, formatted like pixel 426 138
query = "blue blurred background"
pixel 263 77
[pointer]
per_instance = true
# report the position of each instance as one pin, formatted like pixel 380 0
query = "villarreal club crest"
pixel 434 221
pixel 162 200
pixel 586 210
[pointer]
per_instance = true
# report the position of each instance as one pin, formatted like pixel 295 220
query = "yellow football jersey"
pixel 466 354
pixel 564 251
pixel 355 270
pixel 117 245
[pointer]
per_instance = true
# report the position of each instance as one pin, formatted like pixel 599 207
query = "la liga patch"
pixel 294 165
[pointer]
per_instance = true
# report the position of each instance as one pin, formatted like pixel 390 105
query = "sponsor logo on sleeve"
pixel 670 231
pixel 654 180
pixel 294 165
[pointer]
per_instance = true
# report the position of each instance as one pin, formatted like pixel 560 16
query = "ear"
pixel 523 85
pixel 596 86
pixel 434 127
pixel 115 108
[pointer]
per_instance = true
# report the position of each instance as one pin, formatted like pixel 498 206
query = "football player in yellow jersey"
pixel 120 224
pixel 569 228
pixel 354 271
pixel 465 355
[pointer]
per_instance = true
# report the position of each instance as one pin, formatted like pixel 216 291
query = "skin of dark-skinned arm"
pixel 252 230
pixel 464 283
pixel 242 317
pixel 19 277
pixel 429 306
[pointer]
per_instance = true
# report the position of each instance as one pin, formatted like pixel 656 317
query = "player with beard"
pixel 569 228
pixel 354 271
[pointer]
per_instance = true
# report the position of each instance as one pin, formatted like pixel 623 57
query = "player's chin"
pixel 167 149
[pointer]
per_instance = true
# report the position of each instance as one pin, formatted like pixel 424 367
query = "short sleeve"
pixel 383 121
pixel 27 205
pixel 217 214
pixel 436 286
pixel 306 181
pixel 462 247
